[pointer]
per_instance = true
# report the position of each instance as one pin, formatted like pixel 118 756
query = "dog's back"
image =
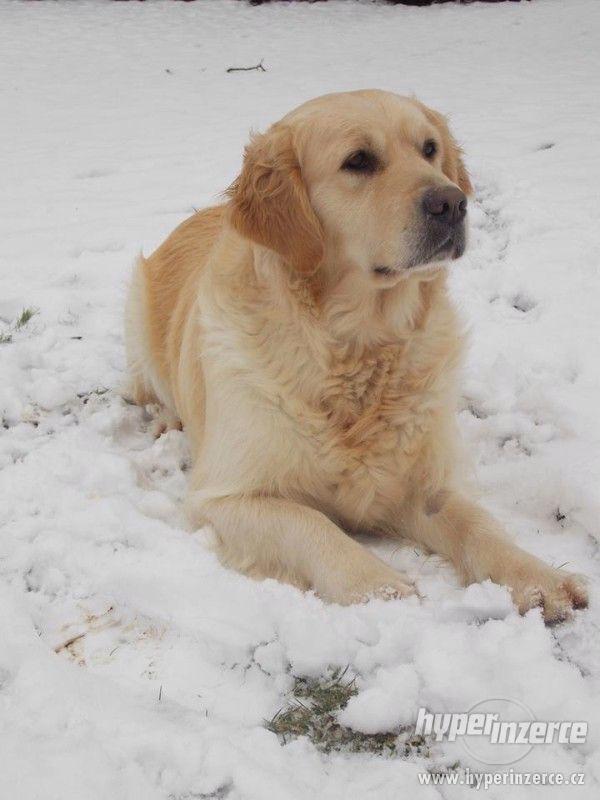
pixel 163 288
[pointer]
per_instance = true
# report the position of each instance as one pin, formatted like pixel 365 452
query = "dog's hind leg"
pixel 142 386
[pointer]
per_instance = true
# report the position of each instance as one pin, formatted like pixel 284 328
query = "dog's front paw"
pixel 379 581
pixel 388 590
pixel 556 593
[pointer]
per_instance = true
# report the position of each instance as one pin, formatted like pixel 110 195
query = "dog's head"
pixel 367 180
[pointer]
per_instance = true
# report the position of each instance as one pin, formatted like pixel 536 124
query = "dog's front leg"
pixel 478 547
pixel 274 537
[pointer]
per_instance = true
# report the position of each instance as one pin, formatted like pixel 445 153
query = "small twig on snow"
pixel 259 67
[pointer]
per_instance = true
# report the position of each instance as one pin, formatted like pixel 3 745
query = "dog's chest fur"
pixel 363 418
pixel 374 434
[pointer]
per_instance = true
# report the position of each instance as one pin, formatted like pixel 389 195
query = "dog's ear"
pixel 269 203
pixel 453 165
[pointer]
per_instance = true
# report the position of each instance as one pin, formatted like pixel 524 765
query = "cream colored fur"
pixel 320 398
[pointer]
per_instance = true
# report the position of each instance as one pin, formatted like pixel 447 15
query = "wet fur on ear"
pixel 453 165
pixel 269 203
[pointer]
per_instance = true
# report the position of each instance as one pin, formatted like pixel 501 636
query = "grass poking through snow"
pixel 21 321
pixel 312 711
pixel 24 317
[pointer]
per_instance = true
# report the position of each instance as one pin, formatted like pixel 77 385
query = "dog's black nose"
pixel 446 204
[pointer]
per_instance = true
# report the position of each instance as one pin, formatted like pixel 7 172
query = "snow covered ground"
pixel 132 665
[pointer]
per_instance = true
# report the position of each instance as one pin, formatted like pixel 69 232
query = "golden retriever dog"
pixel 303 335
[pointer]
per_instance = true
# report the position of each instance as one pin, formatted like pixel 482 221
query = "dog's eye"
pixel 429 149
pixel 360 161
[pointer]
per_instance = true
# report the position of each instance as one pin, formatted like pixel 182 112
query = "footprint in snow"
pixel 110 247
pixel 522 303
pixel 95 173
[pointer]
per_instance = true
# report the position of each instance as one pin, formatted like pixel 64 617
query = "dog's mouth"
pixel 427 254
pixel 385 272
pixel 453 247
pixel 440 246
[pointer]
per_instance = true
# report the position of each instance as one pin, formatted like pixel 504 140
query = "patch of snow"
pixel 387 702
